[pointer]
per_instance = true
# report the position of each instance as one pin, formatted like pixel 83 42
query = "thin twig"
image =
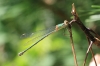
pixel 90 37
pixel 72 45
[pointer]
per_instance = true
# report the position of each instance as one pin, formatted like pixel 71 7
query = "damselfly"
pixel 57 27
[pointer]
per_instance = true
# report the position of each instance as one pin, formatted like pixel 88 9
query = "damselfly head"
pixel 65 22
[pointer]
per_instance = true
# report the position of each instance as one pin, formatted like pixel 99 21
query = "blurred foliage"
pixel 26 16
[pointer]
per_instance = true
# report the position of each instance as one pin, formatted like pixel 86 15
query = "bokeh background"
pixel 18 17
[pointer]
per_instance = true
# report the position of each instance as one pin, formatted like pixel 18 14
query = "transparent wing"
pixel 31 38
pixel 38 36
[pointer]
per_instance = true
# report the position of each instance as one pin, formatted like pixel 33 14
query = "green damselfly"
pixel 57 27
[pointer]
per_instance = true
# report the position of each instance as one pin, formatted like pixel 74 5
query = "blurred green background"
pixel 26 16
